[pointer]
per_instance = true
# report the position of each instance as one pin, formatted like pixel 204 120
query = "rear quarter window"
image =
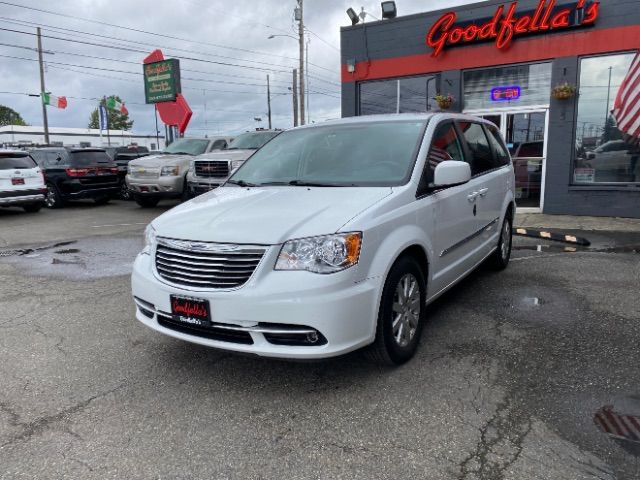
pixel 16 161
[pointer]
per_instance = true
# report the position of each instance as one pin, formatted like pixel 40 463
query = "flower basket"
pixel 444 101
pixel 564 91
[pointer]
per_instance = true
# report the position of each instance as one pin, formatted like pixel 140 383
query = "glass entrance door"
pixel 525 132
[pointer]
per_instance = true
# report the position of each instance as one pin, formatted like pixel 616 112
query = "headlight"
pixel 149 238
pixel 170 171
pixel 325 254
pixel 236 164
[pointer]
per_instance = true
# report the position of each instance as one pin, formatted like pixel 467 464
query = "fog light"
pixel 312 337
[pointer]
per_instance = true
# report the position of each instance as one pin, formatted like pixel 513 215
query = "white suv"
pixel 21 181
pixel 331 238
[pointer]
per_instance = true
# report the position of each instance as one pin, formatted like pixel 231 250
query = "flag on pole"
pixel 626 109
pixel 113 104
pixel 52 100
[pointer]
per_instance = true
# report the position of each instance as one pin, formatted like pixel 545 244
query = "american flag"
pixel 624 427
pixel 626 109
pixel 437 155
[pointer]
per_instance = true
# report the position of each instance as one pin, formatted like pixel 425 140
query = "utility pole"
pixel 45 120
pixel 306 66
pixel 155 109
pixel 301 42
pixel 295 97
pixel 269 100
pixel 606 114
pixel 104 102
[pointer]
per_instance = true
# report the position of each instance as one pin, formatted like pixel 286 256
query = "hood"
pixel 227 155
pixel 152 161
pixel 268 215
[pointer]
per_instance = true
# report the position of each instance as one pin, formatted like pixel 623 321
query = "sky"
pixel 225 99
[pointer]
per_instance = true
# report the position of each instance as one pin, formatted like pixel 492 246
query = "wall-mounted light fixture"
pixel 351 65
pixel 389 10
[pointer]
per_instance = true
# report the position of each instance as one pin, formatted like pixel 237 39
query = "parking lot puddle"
pixel 90 258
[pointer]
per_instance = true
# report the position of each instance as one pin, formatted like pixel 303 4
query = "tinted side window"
pixel 502 156
pixel 482 157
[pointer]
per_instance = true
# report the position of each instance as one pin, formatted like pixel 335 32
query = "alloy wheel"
pixel 406 310
pixel 50 199
pixel 505 244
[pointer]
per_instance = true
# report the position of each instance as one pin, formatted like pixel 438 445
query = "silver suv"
pixel 210 170
pixel 153 178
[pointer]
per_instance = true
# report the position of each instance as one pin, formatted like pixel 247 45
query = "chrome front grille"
pixel 212 169
pixel 206 265
pixel 140 172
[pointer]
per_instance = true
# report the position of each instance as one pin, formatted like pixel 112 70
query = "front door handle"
pixel 483 192
pixel 472 197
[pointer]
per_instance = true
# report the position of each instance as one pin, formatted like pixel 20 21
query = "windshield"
pixel 251 141
pixel 187 146
pixel 366 154
pixel 9 161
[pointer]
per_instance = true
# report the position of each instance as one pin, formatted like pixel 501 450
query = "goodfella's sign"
pixel 506 23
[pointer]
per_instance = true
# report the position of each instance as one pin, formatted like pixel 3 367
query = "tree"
pixel 117 121
pixel 9 116
pixel 611 131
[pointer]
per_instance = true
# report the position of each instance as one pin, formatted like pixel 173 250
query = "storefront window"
pixel 415 95
pixel 604 154
pixel 510 86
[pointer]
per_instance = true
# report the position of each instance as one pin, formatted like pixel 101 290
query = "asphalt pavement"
pixel 512 372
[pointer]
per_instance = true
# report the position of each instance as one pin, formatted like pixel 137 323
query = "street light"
pixel 389 10
pixel 353 16
pixel 282 35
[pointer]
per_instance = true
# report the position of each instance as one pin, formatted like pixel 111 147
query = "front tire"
pixel 499 260
pixel 402 313
pixel 146 202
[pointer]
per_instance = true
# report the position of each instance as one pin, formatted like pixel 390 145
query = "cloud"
pixel 225 99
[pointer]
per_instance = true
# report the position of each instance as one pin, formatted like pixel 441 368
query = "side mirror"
pixel 450 173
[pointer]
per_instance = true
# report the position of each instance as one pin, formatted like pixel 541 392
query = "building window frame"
pixel 428 76
pixel 596 186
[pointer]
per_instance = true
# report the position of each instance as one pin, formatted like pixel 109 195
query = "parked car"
pixel 21 181
pixel 527 163
pixel 122 156
pixel 76 173
pixel 332 237
pixel 152 178
pixel 211 170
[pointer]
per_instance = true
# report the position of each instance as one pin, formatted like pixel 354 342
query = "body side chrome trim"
pixel 450 249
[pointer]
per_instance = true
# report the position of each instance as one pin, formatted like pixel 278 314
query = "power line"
pixel 172 37
pixel 137 50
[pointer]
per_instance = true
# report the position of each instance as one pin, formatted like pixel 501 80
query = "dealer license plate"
pixel 17 181
pixel 190 311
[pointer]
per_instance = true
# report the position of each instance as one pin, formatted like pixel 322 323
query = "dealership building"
pixel 561 79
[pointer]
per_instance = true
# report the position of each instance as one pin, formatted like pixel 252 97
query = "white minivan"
pixel 332 237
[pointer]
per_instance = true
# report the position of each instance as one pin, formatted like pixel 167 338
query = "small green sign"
pixel 161 81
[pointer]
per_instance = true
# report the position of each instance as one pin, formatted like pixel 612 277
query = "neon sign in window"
pixel 504 94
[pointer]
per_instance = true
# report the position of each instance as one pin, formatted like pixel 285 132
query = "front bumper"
pixel 200 185
pixel 24 197
pixel 341 311
pixel 164 187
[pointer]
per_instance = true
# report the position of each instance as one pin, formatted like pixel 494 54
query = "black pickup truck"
pixel 72 173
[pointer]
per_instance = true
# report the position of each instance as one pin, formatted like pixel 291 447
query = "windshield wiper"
pixel 242 183
pixel 179 153
pixel 304 183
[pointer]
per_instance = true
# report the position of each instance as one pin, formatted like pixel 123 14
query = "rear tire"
pixel 33 208
pixel 499 260
pixel 402 313
pixel 125 193
pixel 146 202
pixel 53 198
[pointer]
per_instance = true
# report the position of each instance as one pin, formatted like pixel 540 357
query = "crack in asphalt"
pixel 506 425
pixel 42 424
